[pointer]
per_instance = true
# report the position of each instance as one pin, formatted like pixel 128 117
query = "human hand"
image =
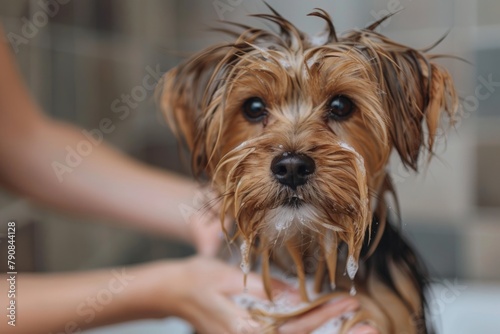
pixel 203 223
pixel 200 291
pixel 316 318
pixel 363 329
pixel 205 232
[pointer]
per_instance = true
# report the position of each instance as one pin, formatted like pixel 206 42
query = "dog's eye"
pixel 340 108
pixel 254 109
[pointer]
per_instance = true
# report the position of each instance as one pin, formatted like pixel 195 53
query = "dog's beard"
pixel 332 207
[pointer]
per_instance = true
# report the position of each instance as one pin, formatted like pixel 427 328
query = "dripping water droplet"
pixel 352 267
pixel 353 290
pixel 245 266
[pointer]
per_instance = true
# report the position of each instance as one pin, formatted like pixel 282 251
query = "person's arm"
pixel 70 302
pixel 198 290
pixel 105 184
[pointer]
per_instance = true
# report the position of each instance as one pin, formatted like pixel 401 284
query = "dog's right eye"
pixel 254 109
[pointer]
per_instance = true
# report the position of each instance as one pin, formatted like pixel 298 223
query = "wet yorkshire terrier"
pixel 295 133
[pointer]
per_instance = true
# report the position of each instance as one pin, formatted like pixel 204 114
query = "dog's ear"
pixel 184 96
pixel 415 90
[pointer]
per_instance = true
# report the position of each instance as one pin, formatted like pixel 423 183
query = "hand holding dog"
pixel 199 290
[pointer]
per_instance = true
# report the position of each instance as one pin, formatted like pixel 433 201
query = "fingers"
pixel 363 329
pixel 204 230
pixel 217 311
pixel 205 227
pixel 255 287
pixel 208 305
pixel 236 319
pixel 317 317
pixel 209 240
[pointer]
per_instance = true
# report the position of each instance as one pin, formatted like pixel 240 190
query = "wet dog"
pixel 295 133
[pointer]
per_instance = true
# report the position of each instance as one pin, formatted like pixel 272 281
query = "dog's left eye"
pixel 340 108
pixel 254 109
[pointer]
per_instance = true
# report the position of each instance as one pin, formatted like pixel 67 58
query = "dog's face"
pixel 296 132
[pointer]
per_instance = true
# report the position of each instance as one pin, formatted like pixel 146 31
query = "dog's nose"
pixel 292 169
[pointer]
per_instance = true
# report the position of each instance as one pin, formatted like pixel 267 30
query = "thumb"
pixel 210 235
pixel 209 239
pixel 255 287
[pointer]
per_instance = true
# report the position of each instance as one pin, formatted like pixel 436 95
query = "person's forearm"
pixel 54 303
pixel 35 163
pixel 105 183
